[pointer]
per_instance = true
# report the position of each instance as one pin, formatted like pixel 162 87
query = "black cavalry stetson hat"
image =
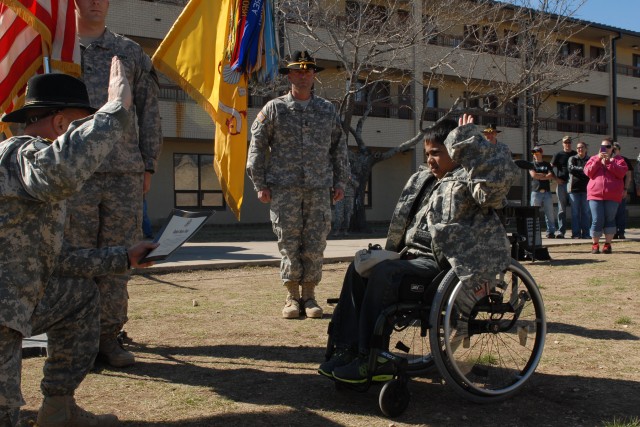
pixel 491 127
pixel 51 91
pixel 300 61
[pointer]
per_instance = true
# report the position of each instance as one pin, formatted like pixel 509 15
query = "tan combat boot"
pixel 112 352
pixel 291 308
pixel 311 307
pixel 62 411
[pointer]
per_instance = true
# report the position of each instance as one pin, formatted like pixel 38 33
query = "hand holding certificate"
pixel 180 227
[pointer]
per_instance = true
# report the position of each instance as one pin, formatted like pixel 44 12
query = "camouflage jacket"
pixel 92 262
pixel 296 146
pixel 139 149
pixel 36 176
pixel 460 213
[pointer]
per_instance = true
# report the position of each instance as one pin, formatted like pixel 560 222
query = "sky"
pixel 623 14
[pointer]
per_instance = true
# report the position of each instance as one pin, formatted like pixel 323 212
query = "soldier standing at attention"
pixel 59 150
pixel 491 134
pixel 108 210
pixel 298 163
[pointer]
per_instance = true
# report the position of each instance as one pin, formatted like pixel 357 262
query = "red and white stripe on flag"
pixel 29 31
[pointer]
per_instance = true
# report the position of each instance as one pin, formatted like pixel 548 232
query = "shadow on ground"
pixel 259 379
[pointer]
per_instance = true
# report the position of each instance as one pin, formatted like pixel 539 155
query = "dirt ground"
pixel 212 350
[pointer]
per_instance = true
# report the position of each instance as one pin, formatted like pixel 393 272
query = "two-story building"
pixel 605 103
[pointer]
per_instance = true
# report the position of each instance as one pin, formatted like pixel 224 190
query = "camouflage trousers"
pixel 69 313
pixel 342 211
pixel 107 212
pixel 301 219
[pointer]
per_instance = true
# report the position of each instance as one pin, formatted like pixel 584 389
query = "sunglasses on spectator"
pixel 607 146
pixel 581 148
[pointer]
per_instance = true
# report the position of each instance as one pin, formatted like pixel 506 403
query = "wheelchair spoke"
pixel 490 354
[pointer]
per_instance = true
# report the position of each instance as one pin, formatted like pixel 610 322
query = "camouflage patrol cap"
pixel 51 91
pixel 300 61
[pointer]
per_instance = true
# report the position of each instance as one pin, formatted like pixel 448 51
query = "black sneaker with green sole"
pixel 339 358
pixel 357 372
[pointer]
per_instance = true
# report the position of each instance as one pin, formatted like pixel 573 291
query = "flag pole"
pixel 46 65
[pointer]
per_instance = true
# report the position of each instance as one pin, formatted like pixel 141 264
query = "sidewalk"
pixel 211 256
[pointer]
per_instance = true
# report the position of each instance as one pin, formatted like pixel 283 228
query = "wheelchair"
pixel 486 351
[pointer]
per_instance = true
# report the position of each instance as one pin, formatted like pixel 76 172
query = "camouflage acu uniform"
pixel 298 154
pixel 36 176
pixel 108 210
pixel 343 209
pixel 460 213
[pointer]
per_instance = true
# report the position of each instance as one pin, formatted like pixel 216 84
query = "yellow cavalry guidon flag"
pixel 193 55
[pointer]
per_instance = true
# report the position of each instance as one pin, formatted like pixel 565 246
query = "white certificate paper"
pixel 180 227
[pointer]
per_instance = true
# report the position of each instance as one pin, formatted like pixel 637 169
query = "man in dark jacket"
pixel 580 213
pixel 560 161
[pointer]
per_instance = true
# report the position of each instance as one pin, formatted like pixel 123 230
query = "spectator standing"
pixel 542 175
pixel 298 163
pixel 621 215
pixel 343 209
pixel 560 161
pixel 108 210
pixel 605 191
pixel 580 212
pixel 59 150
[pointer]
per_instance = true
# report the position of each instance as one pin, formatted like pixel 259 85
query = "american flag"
pixel 31 30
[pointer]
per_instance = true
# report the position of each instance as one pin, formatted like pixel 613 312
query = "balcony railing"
pixel 633 131
pixel 628 70
pixel 173 93
pixel 404 112
pixel 574 126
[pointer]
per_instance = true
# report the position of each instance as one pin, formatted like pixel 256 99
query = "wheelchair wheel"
pixel 394 398
pixel 405 341
pixel 488 352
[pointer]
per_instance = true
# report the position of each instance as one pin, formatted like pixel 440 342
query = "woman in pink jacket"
pixel 604 192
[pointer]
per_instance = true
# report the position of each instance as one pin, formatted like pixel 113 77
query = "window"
pixel 636 64
pixel 636 123
pixel 570 117
pixel 598 120
pixel 195 183
pixel 380 92
pixel 598 52
pixel 511 43
pixel 571 53
pixel 490 39
pixel 367 17
pixel 430 96
pixel 471 36
pixel 512 113
pixel 430 29
pixel 404 102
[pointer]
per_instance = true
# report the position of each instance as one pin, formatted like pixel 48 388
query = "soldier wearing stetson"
pixel 61 148
pixel 491 134
pixel 298 163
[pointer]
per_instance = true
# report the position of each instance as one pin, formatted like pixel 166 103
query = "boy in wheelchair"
pixel 445 218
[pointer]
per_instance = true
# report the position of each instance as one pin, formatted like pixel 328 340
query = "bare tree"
pixel 505 54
